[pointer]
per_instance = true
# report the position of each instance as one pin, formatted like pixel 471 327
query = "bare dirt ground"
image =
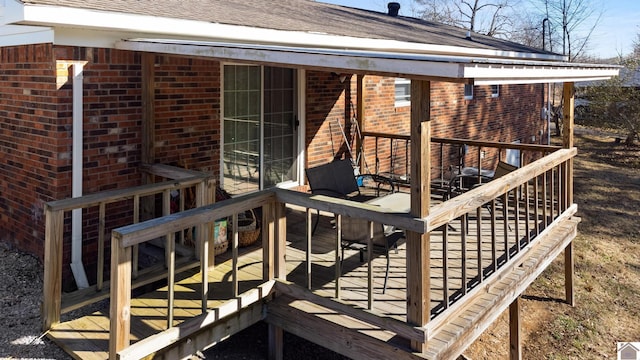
pixel 607 263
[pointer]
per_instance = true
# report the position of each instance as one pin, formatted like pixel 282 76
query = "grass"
pixel 607 266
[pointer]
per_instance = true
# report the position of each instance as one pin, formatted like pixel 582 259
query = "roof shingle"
pixel 299 15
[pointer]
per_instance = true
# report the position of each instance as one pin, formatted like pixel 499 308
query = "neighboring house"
pixel 250 91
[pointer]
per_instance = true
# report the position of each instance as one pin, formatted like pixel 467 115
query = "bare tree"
pixel 488 17
pixel 571 24
pixel 616 102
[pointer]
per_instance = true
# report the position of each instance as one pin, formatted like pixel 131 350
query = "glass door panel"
pixel 279 126
pixel 242 117
pixel 260 127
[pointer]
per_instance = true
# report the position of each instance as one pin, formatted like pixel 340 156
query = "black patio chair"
pixel 337 179
pixel 355 233
pixel 464 182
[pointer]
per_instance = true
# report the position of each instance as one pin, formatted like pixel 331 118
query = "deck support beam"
pixel 52 287
pixel 120 310
pixel 418 249
pixel 515 336
pixel 568 143
pixel 276 220
pixel 147 151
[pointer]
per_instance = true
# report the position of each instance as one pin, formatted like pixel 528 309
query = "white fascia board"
pixel 301 58
pixel 503 81
pixel 515 71
pixel 11 11
pixel 14 35
pixel 170 27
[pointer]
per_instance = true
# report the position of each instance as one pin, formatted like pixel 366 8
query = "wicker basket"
pixel 248 230
pixel 220 248
pixel 220 242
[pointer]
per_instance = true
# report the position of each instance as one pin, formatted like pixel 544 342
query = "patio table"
pixel 397 202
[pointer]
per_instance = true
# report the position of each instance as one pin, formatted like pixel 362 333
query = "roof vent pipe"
pixel 394 8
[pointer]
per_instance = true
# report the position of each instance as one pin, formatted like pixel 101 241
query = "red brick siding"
pixel 187 108
pixel 328 104
pixel 33 144
pixel 36 128
pixel 513 115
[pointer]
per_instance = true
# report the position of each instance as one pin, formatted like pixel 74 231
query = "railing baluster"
pixel 136 219
pixel 445 267
pixel 171 276
pixel 536 200
pixel 463 250
pixel 166 210
pixel 494 246
pixel 560 189
pixel 338 258
pixel 101 231
pixel 181 197
pixel 370 265
pixel 308 249
pixel 527 212
pixel 552 193
pixel 234 255
pixel 505 224
pixel 479 242
pixel 516 210
pixel 545 219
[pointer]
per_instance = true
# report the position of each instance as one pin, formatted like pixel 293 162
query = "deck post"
pixel 52 288
pixel 147 153
pixel 418 245
pixel 360 120
pixel 568 143
pixel 120 310
pixel 278 237
pixel 268 241
pixel 515 339
pixel 281 241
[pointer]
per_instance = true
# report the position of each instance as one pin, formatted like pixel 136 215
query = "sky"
pixel 614 35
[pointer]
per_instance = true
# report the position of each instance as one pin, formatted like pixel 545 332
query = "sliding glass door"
pixel 260 127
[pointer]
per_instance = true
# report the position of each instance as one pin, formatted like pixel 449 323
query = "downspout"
pixel 76 180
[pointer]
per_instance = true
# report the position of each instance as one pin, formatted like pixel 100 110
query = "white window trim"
pixel 402 81
pixel 468 97
pixel 497 92
pixel 301 93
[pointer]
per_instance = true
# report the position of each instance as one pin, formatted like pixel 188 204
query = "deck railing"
pixel 511 212
pixel 514 210
pixel 55 303
pixel 124 239
pixel 272 203
pixel 449 155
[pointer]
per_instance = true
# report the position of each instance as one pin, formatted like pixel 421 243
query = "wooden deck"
pixel 455 259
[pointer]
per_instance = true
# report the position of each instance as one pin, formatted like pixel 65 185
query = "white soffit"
pixel 13 35
pixel 480 71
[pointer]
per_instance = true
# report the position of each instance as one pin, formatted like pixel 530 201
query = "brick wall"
pixel 328 111
pixel 33 144
pixel 36 129
pixel 513 115
pixel 187 108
